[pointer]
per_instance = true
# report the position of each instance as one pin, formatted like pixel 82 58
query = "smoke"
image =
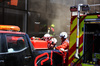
pixel 80 2
pixel 61 18
pixel 53 12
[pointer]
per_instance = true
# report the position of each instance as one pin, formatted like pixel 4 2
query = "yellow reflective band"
pixel 71 55
pixel 81 53
pixel 75 51
pixel 83 64
pixel 74 23
pixel 75 60
pixel 81 27
pixel 91 16
pixel 81 33
pixel 77 36
pixel 72 38
pixel 69 65
pixel 81 45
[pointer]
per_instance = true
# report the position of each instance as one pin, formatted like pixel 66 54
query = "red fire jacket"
pixel 64 45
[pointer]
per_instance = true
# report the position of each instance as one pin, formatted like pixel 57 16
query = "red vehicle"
pixel 84 49
pixel 16 49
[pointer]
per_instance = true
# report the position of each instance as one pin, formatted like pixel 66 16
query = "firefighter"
pixel 51 41
pixel 64 42
pixel 64 47
pixel 51 30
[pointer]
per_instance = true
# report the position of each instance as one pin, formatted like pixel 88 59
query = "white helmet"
pixel 47 35
pixel 54 40
pixel 63 34
pixel 32 37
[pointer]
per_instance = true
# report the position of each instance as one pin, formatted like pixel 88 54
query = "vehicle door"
pixel 18 52
pixel 2 50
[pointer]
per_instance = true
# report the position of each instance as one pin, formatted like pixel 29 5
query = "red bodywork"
pixel 11 32
pixel 39 44
pixel 42 43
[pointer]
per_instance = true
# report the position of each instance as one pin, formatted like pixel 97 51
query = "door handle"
pixel 27 57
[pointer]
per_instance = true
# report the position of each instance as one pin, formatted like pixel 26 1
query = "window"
pixel 1 15
pixel 15 43
pixel 1 2
pixel 15 17
pixel 14 12
pixel 16 4
pixel 36 25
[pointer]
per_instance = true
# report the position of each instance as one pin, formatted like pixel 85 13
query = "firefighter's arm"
pixel 49 30
pixel 61 46
pixel 66 50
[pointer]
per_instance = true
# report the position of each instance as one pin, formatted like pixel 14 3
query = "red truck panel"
pixel 39 44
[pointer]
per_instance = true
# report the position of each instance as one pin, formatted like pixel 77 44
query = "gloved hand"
pixel 63 50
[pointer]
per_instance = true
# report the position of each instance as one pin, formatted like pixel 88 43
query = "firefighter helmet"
pixel 54 40
pixel 32 38
pixel 63 34
pixel 47 35
pixel 52 25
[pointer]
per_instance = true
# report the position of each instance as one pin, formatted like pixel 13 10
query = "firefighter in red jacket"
pixel 64 47
pixel 64 42
pixel 50 40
